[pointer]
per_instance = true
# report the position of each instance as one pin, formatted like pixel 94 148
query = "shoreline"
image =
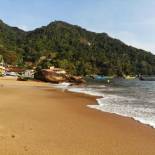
pixel 44 120
pixel 115 114
pixel 95 98
pixel 100 97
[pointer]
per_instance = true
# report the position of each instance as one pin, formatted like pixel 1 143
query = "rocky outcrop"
pixel 76 79
pixel 49 75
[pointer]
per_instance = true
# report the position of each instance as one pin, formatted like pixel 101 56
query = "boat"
pixel 129 77
pixel 11 74
pixel 100 78
pixel 146 78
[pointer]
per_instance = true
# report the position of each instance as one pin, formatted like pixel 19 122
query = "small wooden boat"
pixel 99 78
pixel 130 77
pixel 145 78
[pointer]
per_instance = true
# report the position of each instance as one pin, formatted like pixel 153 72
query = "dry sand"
pixel 38 120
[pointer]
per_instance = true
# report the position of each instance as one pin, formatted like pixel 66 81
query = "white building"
pixel 29 73
pixel 2 70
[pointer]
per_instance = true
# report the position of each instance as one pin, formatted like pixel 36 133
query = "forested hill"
pixel 74 49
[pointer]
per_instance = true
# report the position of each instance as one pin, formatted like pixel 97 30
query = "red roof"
pixel 15 69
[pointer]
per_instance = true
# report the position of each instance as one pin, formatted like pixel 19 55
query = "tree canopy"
pixel 75 49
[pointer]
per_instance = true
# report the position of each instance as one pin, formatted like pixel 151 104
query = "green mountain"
pixel 73 48
pixel 10 40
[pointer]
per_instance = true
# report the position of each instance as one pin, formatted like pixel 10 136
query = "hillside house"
pixel 28 73
pixel 2 70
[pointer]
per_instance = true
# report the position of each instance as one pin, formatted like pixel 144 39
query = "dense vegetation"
pixel 75 49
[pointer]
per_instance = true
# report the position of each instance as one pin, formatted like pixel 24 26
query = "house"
pixel 13 71
pixel 1 60
pixel 2 70
pixel 28 73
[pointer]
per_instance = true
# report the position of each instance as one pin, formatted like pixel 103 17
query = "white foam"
pixel 62 86
pixel 121 105
pixel 88 91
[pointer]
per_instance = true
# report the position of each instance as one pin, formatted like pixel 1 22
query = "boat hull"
pixel 147 79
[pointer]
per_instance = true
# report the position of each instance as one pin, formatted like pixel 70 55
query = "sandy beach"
pixel 36 119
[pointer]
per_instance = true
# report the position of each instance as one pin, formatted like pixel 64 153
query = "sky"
pixel 132 21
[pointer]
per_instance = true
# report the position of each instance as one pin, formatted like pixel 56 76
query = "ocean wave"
pixel 124 106
pixel 128 106
pixel 62 86
pixel 89 91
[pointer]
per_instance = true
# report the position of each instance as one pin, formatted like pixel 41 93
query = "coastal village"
pixel 51 74
pixel 77 77
pixel 14 71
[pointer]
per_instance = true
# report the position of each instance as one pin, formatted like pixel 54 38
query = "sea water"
pixel 130 98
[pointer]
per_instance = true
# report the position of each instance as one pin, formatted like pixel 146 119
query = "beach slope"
pixel 38 120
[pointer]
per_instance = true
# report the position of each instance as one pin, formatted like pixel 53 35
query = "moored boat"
pixel 130 77
pixel 147 78
pixel 100 78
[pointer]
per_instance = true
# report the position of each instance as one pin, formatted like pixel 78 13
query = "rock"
pixel 55 76
pixel 76 79
pixel 50 76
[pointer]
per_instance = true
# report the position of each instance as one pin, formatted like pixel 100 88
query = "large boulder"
pixel 50 76
pixel 76 79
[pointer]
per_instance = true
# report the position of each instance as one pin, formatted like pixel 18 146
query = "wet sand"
pixel 38 120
